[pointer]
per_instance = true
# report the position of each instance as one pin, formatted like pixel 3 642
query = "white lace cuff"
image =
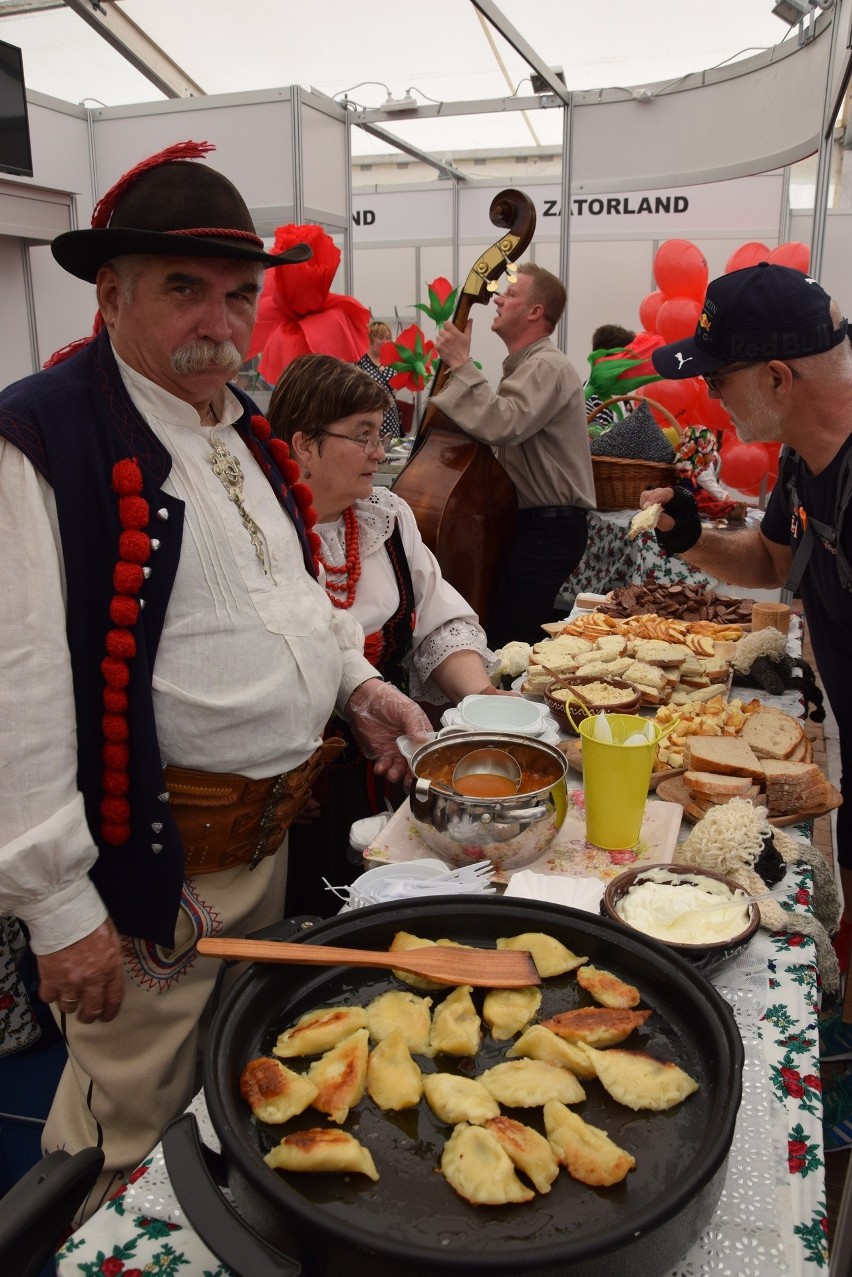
pixel 452 636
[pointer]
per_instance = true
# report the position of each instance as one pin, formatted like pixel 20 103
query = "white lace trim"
pixel 454 636
pixel 376 519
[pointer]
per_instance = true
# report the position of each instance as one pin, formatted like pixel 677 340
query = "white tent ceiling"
pixel 442 51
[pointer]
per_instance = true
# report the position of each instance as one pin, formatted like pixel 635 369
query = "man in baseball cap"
pixel 772 346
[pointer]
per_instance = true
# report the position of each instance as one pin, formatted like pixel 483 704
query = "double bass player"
pixel 535 422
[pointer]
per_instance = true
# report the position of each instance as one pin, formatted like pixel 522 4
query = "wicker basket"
pixel 620 481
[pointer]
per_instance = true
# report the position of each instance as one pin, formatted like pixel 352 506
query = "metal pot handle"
pixel 219 1226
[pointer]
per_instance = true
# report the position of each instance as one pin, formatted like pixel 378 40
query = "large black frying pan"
pixel 411 1223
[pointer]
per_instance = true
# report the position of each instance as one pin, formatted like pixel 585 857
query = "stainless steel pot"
pixel 510 832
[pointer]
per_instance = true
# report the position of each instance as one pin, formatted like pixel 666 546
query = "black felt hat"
pixel 168 206
pixel 753 315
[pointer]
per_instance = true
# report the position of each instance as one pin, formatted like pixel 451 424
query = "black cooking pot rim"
pixel 407 915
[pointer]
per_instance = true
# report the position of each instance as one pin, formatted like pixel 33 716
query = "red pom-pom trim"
pixel 115 834
pixel 133 512
pixel 279 451
pixel 114 701
pixel 115 782
pixel 120 643
pixel 115 810
pixel 115 755
pixel 115 727
pixel 116 672
pixel 123 610
pixel 134 546
pixel 315 543
pixel 261 427
pixel 126 478
pixel 128 578
pixel 291 472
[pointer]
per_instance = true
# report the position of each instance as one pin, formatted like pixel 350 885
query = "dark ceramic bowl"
pixel 706 957
pixel 627 703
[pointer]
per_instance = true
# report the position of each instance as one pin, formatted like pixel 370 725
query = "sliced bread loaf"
pixel 715 785
pixel 772 734
pixel 725 755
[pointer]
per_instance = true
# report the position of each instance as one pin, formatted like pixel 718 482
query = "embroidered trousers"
pixel 126 1080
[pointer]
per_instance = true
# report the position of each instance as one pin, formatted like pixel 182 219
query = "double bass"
pixel 464 502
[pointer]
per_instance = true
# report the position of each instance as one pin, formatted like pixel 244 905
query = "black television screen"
pixel 15 154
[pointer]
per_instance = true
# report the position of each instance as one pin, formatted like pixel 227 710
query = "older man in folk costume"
pixel 169 657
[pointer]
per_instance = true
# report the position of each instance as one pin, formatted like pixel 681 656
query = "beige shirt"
pixel 249 667
pixel 535 422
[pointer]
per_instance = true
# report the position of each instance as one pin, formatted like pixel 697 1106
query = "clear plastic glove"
pixel 378 712
pixel 85 979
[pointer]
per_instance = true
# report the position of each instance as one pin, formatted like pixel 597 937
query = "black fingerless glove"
pixel 683 508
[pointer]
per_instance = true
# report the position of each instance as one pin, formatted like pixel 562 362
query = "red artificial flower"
pixel 297 315
pixel 412 358
pixel 442 301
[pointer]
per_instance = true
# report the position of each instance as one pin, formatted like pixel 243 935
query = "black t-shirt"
pixel 827 605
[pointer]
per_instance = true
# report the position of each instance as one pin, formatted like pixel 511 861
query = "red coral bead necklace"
pixel 348 572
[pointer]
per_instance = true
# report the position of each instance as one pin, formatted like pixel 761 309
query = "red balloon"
pixel 648 308
pixel 772 451
pixel 677 318
pixel 747 255
pixel 677 396
pixel 680 269
pixel 744 465
pixel 792 254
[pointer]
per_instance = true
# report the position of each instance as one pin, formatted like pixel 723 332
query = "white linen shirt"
pixel 249 668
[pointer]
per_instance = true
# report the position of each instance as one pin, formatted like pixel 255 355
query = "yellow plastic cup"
pixel 615 780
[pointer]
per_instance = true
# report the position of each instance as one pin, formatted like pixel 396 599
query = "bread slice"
pixel 772 734
pixel 725 755
pixel 714 785
pixel 645 521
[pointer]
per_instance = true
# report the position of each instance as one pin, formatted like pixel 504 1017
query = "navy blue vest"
pixel 74 422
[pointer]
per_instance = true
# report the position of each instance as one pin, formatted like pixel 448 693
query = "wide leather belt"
pixel 225 819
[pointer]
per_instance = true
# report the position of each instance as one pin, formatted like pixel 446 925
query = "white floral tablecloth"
pixel 770 1221
pixel 612 560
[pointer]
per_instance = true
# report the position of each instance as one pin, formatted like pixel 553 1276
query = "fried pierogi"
pixel 538 1043
pixel 586 1152
pixel 401 1010
pixel 273 1092
pixel 403 941
pixel 340 1076
pixel 641 1082
pixel 508 1011
pixel 319 1031
pixel 530 1083
pixel 529 1151
pixel 456 1099
pixel 596 1026
pixel 607 988
pixel 549 954
pixel 323 1149
pixel 475 1165
pixel 456 1029
pixel 393 1079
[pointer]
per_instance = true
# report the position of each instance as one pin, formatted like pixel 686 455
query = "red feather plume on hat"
pixel 297 315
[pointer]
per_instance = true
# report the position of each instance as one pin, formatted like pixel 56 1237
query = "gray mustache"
pixel 202 356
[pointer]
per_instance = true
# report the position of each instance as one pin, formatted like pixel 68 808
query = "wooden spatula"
pixel 488 968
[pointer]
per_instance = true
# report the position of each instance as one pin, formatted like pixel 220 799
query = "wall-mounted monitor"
pixel 15 153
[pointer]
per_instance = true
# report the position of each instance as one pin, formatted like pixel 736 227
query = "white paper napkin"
pixel 576 893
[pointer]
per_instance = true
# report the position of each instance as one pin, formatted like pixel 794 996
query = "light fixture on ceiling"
pixel 408 103
pixel 791 11
pixel 540 85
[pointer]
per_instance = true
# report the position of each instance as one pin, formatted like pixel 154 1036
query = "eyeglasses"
pixel 367 443
pixel 714 380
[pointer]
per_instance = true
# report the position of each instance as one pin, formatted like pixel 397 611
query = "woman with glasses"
pixel 420 633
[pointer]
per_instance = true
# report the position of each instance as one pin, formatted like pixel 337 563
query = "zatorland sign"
pixel 738 209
